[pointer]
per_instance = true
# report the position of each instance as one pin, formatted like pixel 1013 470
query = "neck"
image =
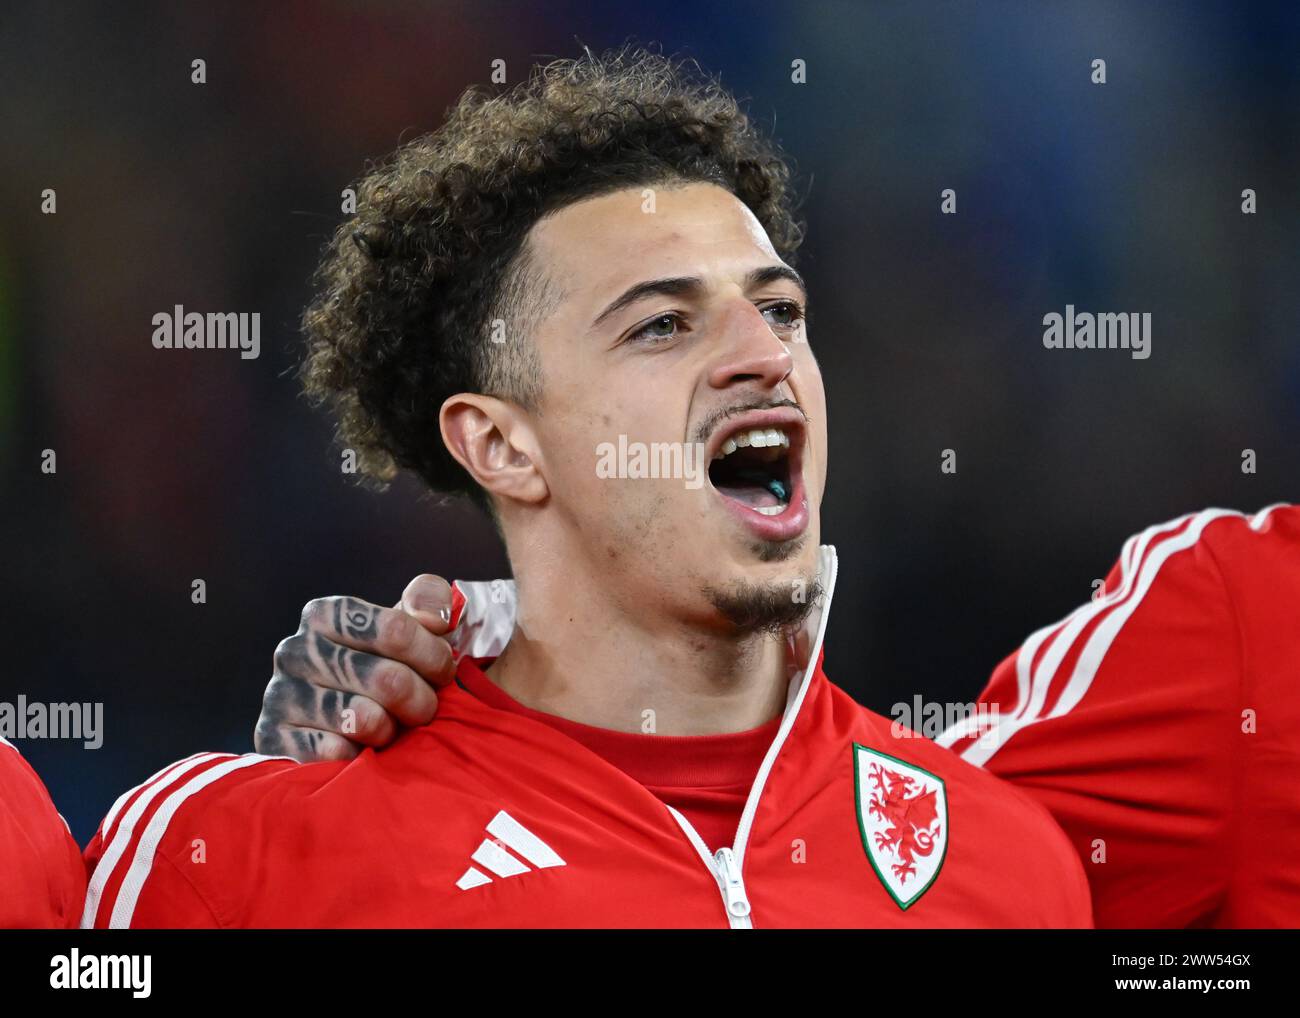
pixel 578 653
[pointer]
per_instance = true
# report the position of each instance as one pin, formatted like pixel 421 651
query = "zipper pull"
pixel 733 886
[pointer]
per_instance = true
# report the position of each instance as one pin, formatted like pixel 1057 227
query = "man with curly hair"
pixel 564 303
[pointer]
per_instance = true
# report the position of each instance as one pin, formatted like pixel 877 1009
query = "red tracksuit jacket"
pixel 487 818
pixel 42 881
pixel 1160 725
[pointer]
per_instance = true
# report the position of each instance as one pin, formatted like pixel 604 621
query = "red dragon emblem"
pixel 910 811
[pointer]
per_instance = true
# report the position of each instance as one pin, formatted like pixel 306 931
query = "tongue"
pixel 755 489
pixel 756 496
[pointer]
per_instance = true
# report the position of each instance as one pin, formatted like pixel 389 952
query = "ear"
pixel 494 441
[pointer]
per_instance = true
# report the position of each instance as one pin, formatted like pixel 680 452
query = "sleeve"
pixel 1133 720
pixel 166 900
pixel 135 881
pixel 1260 566
pixel 41 878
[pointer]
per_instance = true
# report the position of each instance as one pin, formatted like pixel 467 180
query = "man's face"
pixel 706 375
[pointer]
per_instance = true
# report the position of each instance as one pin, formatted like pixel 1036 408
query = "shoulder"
pixel 1256 558
pixel 202 783
pixel 1158 637
pixel 1191 548
pixel 1274 526
pixel 202 795
pixel 42 879
pixel 25 803
pixel 182 847
pixel 1199 542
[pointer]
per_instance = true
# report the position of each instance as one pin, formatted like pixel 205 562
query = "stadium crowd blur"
pixel 173 466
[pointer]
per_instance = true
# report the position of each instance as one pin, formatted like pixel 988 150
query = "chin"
pixel 774 599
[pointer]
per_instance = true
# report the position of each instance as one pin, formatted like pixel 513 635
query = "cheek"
pixel 807 375
pixel 807 386
pixel 592 465
pixel 570 439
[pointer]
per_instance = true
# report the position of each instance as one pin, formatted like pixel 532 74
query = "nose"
pixel 751 353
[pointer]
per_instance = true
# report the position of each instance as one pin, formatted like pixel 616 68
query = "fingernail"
pixel 424 600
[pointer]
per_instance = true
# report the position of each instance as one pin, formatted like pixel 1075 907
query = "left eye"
pixel 788 314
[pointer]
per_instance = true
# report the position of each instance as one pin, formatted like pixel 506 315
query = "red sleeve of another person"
pixel 41 878
pixel 1160 725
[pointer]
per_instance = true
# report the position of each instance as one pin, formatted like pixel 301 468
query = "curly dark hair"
pixel 410 288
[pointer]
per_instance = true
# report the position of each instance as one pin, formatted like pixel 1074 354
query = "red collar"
pixel 660 761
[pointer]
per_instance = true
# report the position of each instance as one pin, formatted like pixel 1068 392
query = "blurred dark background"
pixel 171 466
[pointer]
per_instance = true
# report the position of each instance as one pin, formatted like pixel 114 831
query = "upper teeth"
pixel 758 438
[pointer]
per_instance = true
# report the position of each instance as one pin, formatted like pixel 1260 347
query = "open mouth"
pixel 756 470
pixel 753 468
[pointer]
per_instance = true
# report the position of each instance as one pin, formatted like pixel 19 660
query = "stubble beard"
pixel 776 608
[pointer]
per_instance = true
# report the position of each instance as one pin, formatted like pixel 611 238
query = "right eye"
pixel 658 329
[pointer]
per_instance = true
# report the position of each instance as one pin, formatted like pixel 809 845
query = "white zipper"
pixel 733 885
pixel 727 866
pixel 725 871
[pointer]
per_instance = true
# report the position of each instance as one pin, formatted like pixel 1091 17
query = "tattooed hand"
pixel 354 671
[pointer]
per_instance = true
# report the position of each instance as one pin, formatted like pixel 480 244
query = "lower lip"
pixel 788 525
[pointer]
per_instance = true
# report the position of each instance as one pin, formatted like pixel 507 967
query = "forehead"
pixel 599 243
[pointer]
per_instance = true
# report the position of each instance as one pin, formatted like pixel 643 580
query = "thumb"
pixel 427 598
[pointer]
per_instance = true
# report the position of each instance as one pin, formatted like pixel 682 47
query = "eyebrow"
pixel 680 286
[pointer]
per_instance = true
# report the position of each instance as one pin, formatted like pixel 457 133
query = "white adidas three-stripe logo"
pixel 507 832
